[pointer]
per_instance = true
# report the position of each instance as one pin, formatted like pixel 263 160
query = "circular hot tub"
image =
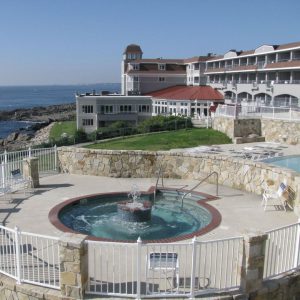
pixel 104 217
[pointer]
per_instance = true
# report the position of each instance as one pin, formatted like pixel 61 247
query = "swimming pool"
pixel 98 216
pixel 290 162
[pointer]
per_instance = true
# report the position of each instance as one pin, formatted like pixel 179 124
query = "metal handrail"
pixel 189 191
pixel 160 175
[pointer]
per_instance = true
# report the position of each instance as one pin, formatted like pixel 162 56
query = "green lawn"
pixel 69 127
pixel 166 140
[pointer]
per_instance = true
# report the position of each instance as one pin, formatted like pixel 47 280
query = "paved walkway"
pixel 241 212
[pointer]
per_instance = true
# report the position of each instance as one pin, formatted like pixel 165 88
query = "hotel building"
pixel 142 76
pixel 177 86
pixel 268 75
pixel 95 111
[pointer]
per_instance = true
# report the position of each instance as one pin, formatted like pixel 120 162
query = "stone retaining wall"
pixel 237 127
pixel 281 131
pixel 240 174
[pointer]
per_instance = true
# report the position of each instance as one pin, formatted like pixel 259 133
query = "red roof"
pixel 188 93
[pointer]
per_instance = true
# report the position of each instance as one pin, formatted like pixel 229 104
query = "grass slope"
pixel 166 140
pixel 58 128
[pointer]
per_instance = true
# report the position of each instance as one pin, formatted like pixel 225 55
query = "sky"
pixel 82 41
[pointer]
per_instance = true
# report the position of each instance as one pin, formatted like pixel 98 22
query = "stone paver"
pixel 241 212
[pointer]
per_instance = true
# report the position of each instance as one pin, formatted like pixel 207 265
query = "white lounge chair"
pixel 18 182
pixel 5 192
pixel 162 266
pixel 268 195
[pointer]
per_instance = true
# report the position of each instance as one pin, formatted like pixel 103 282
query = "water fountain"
pixel 135 210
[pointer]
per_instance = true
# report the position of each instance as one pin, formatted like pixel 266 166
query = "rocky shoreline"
pixel 61 112
pixel 39 132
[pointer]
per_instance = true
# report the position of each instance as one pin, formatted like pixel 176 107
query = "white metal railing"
pixel 266 112
pixel 141 270
pixel 8 262
pixel 29 257
pixel 47 158
pixel 10 161
pixel 39 259
pixel 282 250
pixel 164 269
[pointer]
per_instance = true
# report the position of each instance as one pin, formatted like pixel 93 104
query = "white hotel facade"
pixel 266 76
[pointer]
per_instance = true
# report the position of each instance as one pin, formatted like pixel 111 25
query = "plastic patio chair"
pixel 5 192
pixel 268 195
pixel 165 266
pixel 18 182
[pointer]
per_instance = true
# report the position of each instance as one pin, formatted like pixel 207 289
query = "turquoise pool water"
pixel 290 162
pixel 98 216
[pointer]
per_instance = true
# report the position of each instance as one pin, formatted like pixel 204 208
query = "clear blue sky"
pixel 82 41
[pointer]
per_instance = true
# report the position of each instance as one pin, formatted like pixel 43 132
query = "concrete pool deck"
pixel 241 212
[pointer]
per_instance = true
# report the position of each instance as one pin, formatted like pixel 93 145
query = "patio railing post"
pixel 253 261
pixel 3 174
pixel 5 156
pixel 194 245
pixel 138 266
pixel 297 245
pixel 290 113
pixel 18 255
pixel 55 157
pixel 73 255
pixel 29 151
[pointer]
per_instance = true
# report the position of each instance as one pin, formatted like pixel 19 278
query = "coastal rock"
pixel 34 135
pixel 25 136
pixel 62 112
pixel 12 137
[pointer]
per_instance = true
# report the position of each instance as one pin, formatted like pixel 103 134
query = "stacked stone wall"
pixel 240 174
pixel 280 131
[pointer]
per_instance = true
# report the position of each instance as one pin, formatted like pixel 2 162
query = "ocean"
pixel 16 97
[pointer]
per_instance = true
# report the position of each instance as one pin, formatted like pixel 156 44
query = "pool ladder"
pixel 189 191
pixel 159 176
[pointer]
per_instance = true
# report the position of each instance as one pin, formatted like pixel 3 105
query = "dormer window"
pixel 161 67
pixel 135 66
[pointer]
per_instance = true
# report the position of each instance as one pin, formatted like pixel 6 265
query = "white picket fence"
pixel 126 269
pixel 29 257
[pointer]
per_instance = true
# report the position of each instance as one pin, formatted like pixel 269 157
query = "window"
pixel 196 66
pixel 136 66
pixel 161 79
pixel 143 108
pixel 161 67
pixel 87 109
pixel 87 122
pixel 108 109
pixel 125 108
pixel 136 78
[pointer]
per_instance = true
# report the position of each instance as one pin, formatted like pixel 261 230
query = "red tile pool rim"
pixel 215 214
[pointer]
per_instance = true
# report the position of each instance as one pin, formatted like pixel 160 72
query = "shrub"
pixel 80 136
